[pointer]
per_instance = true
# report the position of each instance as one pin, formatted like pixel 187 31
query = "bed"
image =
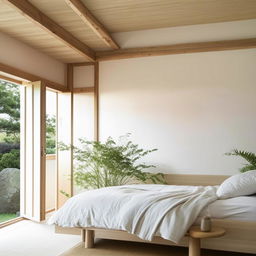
pixel 236 215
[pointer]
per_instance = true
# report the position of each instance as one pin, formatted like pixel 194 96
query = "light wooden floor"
pixel 120 248
pixel 27 238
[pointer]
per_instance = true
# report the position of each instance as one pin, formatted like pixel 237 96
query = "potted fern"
pixel 102 164
pixel 248 156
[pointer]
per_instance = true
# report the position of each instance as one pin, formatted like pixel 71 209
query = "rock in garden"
pixel 9 190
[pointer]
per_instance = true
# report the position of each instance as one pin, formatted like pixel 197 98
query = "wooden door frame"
pixel 38 152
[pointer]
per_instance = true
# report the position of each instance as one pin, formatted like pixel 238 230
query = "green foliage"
pixel 106 164
pixel 248 156
pixel 10 160
pixel 7 216
pixel 7 147
pixel 65 193
pixel 10 111
pixel 10 126
pixel 50 134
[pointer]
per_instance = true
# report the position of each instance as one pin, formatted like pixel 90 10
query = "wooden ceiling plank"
pixel 81 10
pixel 176 49
pixel 30 11
pixel 134 15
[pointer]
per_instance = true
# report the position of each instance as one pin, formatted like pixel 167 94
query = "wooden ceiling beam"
pixel 35 15
pixel 80 64
pixel 83 90
pixel 176 49
pixel 87 17
pixel 9 79
pixel 30 77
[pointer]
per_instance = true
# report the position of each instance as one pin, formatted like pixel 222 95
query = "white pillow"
pixel 238 185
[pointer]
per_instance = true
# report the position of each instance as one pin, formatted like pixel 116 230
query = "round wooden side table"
pixel 195 236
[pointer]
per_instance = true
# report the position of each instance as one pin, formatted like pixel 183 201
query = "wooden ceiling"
pixel 129 15
pixel 115 16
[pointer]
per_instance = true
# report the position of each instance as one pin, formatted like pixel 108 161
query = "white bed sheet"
pixel 241 208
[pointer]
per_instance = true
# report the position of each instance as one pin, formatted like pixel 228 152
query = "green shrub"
pixel 50 134
pixel 7 147
pixel 110 163
pixel 50 146
pixel 10 160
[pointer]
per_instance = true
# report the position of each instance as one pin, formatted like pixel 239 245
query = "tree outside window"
pixel 10 127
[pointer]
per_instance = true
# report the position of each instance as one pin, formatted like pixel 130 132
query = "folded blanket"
pixel 144 210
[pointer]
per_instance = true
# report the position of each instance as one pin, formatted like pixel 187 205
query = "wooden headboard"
pixel 196 180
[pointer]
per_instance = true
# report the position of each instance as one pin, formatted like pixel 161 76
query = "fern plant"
pixel 110 163
pixel 248 156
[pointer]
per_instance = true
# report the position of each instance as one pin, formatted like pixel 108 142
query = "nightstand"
pixel 195 236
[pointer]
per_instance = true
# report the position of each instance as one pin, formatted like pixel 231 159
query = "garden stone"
pixel 9 190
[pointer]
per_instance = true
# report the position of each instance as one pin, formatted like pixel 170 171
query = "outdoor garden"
pixel 10 149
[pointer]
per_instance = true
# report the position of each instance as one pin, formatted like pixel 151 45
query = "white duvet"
pixel 143 210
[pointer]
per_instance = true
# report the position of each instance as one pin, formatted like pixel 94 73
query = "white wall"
pixel 192 107
pixel 83 76
pixel 26 58
pixel 83 108
pixel 83 105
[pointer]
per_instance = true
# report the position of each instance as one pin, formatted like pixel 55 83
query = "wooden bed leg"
pixel 89 238
pixel 194 246
pixel 83 235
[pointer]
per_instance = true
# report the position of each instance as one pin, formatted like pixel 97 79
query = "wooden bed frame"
pixel 240 235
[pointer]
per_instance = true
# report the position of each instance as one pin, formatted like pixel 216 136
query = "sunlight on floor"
pixel 27 238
